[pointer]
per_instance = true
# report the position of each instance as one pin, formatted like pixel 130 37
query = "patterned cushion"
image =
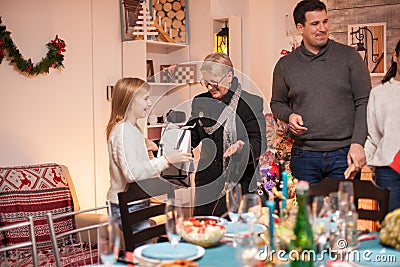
pixel 33 191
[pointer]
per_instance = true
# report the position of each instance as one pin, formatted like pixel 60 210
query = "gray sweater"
pixel 329 90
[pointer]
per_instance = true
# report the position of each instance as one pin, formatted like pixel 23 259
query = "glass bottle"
pixel 302 247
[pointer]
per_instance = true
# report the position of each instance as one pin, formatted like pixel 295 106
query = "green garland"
pixel 53 59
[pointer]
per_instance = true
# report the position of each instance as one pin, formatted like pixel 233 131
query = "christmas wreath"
pixel 53 59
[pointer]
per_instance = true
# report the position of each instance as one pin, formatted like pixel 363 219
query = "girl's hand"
pixel 150 145
pixel 177 156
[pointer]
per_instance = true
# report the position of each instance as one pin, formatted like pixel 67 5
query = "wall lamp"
pixel 223 40
pixel 361 35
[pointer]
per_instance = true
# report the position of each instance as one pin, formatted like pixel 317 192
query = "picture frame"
pixel 165 75
pixel 150 71
pixel 129 10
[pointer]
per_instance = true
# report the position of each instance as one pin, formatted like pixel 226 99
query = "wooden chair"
pixel 15 254
pixel 139 191
pixel 362 190
pixel 77 247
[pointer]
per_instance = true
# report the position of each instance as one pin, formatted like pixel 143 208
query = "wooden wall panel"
pixel 345 12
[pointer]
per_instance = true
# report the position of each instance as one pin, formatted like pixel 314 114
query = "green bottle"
pixel 302 248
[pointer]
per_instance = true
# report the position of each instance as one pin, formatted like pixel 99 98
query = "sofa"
pixel 35 190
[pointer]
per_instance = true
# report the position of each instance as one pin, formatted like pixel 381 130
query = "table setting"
pixel 253 235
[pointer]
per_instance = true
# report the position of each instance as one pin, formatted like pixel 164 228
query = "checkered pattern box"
pixel 183 73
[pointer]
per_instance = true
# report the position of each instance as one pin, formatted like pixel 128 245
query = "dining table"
pixel 369 253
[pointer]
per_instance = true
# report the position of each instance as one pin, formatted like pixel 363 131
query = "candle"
pixel 271 206
pixel 165 27
pixel 284 189
pixel 159 20
pixel 170 32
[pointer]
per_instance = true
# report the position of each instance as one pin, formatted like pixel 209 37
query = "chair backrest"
pixel 137 191
pixel 79 246
pixel 16 254
pixel 362 190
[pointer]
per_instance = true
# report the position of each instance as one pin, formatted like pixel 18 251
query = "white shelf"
pixel 160 125
pixel 161 47
pixel 165 84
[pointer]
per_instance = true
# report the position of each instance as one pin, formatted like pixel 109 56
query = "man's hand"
pixel 296 124
pixel 350 172
pixel 356 156
pixel 233 149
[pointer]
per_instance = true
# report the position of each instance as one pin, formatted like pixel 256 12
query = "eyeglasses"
pixel 210 84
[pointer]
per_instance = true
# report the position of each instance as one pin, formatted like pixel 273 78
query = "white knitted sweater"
pixel 129 160
pixel 383 118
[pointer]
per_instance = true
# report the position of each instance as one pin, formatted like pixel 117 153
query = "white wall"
pixel 56 117
pixel 263 33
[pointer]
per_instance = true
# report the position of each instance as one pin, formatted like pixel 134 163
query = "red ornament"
pixel 284 52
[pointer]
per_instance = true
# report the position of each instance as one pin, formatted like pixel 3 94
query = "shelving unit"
pixel 165 96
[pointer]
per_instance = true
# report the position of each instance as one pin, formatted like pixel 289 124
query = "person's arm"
pixel 194 117
pixel 374 135
pixel 129 151
pixel 254 125
pixel 361 87
pixel 280 99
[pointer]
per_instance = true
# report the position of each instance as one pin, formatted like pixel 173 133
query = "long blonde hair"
pixel 123 93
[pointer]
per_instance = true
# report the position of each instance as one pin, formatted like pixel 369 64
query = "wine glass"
pixel 174 223
pixel 345 196
pixel 233 198
pixel 250 209
pixel 109 241
pixel 321 220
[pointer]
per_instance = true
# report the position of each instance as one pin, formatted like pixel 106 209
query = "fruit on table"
pixel 390 231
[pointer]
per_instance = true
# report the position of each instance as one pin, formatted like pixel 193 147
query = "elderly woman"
pixel 229 126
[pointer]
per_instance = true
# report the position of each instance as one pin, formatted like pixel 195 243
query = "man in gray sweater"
pixel 321 89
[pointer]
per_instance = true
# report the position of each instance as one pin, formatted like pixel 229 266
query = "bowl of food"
pixel 205 231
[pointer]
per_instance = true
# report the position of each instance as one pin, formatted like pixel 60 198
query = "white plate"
pixel 141 258
pixel 243 227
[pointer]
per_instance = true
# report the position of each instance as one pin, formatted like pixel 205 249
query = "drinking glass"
pixel 345 196
pixel 250 210
pixel 109 241
pixel 233 198
pixel 174 223
pixel 334 206
pixel 321 220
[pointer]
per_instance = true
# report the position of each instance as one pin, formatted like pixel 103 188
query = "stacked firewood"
pixel 170 15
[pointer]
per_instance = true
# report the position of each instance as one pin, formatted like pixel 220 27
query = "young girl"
pixel 383 120
pixel 128 155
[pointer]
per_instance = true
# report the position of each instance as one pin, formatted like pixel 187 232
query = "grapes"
pixel 390 232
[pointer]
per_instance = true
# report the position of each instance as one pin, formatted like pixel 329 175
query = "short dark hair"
pixel 299 12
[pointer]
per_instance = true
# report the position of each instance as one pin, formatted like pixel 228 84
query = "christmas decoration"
pixel 53 59
pixel 145 25
pixel 279 147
